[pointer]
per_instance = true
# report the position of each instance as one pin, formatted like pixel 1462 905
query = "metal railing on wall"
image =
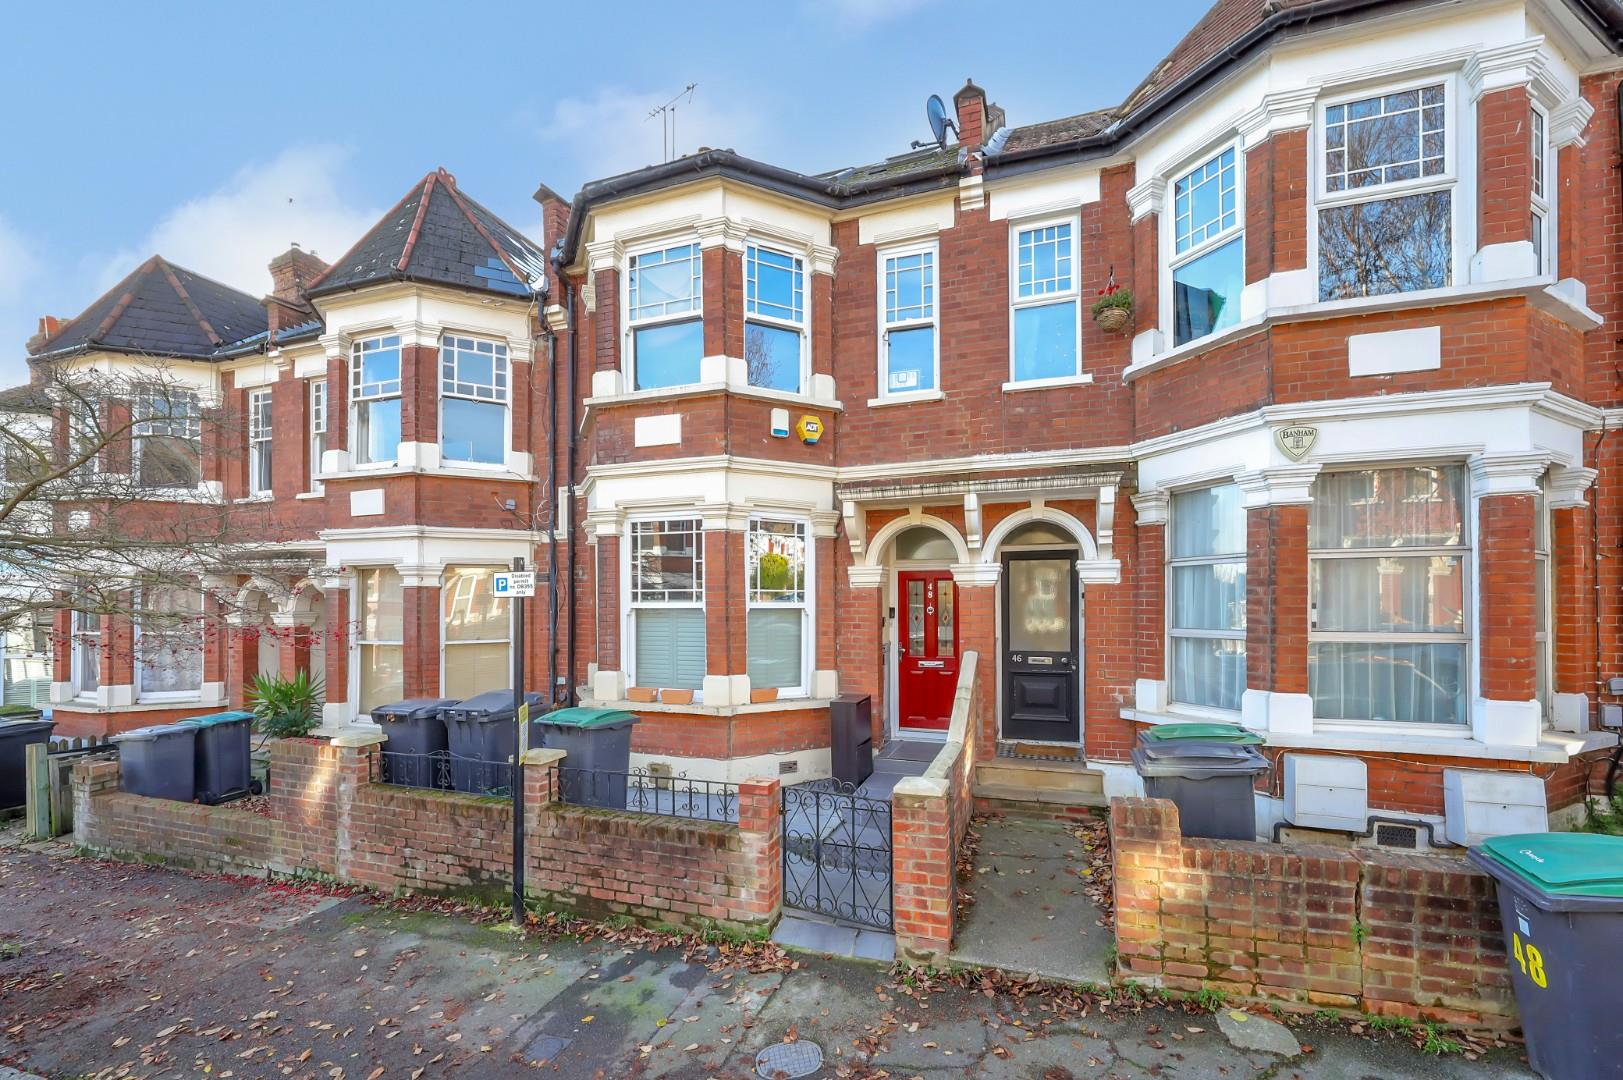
pixel 643 792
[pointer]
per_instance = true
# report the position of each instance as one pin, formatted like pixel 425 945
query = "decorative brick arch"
pixel 880 544
pixel 992 548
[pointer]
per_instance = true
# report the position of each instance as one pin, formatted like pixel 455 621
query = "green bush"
pixel 286 708
pixel 1114 298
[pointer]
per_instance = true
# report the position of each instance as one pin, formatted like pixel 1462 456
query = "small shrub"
pixel 1209 998
pixel 1435 1042
pixel 1604 816
pixel 286 708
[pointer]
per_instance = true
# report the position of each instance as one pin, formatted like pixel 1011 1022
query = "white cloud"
pixel 233 232
pixel 862 14
pixel 612 132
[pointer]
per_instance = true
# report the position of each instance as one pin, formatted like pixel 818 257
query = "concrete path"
pixel 141 972
pixel 1030 914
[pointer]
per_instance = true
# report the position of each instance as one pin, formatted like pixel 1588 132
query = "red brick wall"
pixel 1504 166
pixel 421 649
pixel 1312 927
pixel 1276 604
pixel 777 731
pixel 1276 209
pixel 1508 618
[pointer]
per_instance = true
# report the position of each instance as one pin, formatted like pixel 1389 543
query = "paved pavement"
pixel 1030 913
pixel 128 970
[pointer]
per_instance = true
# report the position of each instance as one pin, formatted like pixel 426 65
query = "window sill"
pixel 365 473
pixel 905 399
pixel 1555 747
pixel 262 497
pixel 1046 384
pixel 701 709
pixel 311 495
pixel 687 390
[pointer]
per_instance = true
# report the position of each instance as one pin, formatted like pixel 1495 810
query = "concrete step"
pixel 1051 782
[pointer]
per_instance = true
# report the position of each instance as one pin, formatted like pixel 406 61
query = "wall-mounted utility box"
pixel 1323 792
pixel 1478 804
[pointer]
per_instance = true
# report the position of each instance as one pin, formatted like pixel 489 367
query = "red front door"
pixel 927 665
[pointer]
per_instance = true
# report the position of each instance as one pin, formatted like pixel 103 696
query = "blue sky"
pixel 217 134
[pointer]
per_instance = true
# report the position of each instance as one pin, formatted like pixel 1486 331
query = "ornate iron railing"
pixel 645 792
pixel 837 853
pixel 442 770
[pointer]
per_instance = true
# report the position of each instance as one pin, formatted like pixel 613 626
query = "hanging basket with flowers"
pixel 1114 308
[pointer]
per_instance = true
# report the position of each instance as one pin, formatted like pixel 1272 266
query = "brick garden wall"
pixel 329 818
pixel 1314 927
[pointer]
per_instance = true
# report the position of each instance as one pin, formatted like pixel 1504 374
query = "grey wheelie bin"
pixel 1210 781
pixel 415 755
pixel 597 745
pixel 221 767
pixel 479 732
pixel 159 762
pixel 18 731
pixel 1561 901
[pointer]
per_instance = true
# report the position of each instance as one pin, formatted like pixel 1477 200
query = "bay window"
pixel 1206 588
pixel 1388 636
pixel 1208 249
pixel 776 592
pixel 667 604
pixel 169 644
pixel 168 433
pixel 1045 303
pixel 774 319
pixel 909 354
pixel 1541 194
pixel 259 442
pixel 380 637
pixel 476 633
pixel 473 401
pixel 318 429
pixel 374 394
pixel 1386 208
pixel 665 316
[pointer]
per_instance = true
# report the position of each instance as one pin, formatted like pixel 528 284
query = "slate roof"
pixel 438 234
pixel 161 309
pixel 29 397
pixel 898 167
pixel 1054 132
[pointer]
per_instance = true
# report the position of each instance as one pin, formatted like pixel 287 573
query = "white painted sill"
pixel 905 399
pixel 1047 384
pixel 688 390
pixel 700 708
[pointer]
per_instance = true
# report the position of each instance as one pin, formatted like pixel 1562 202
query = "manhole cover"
pixel 787 1061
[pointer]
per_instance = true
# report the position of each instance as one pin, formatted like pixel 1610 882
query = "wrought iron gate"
pixel 837 854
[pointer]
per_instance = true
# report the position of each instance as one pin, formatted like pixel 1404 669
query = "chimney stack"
pixel 48 326
pixel 292 272
pixel 970 102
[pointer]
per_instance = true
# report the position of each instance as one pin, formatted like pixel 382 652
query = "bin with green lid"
pixel 1199 732
pixel 221 767
pixel 597 747
pixel 1561 902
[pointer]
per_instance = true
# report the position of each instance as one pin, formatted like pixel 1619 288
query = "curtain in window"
pixel 1207 605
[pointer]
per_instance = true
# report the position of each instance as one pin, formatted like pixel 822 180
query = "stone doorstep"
pixel 1049 782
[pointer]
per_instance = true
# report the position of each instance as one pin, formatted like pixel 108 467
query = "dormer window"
pixel 1208 245
pixel 774 319
pixel 374 393
pixel 473 401
pixel 665 316
pixel 1386 208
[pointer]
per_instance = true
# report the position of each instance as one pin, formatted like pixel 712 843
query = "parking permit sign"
pixel 515 583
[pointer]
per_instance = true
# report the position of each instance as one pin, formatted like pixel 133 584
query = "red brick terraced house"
pixel 1347 476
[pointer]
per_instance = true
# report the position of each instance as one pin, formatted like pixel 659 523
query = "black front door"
pixel 1042 700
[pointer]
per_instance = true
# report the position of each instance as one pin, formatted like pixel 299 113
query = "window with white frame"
pixel 259 442
pixel 664 310
pixel 380 637
pixel 667 603
pixel 1386 204
pixel 909 353
pixel 1045 314
pixel 476 633
pixel 1208 248
pixel 1544 659
pixel 777 591
pixel 1541 193
pixel 1206 597
pixel 473 400
pixel 374 395
pixel 168 434
pixel 85 659
pixel 318 429
pixel 1388 637
pixel 774 319
pixel 169 643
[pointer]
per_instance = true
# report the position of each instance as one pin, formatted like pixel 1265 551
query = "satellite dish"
pixel 936 110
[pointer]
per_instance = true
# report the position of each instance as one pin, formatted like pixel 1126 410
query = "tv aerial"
pixel 936 110
pixel 666 114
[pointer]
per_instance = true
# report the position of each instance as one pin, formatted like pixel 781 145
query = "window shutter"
pixel 670 648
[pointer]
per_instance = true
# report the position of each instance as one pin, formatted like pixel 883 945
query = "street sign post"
pixel 517 584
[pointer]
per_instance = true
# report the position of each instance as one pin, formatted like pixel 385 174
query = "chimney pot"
pixel 970 101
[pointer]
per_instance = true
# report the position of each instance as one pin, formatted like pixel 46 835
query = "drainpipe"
pixel 551 517
pixel 569 487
